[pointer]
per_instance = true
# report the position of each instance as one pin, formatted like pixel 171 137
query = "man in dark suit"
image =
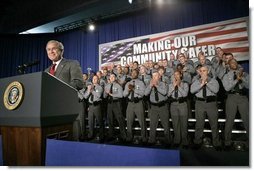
pixel 66 70
pixel 69 71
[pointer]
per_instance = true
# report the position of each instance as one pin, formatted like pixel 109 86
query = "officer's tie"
pixel 204 91
pixel 176 92
pixel 132 93
pixel 237 88
pixel 156 94
pixel 92 96
pixel 111 91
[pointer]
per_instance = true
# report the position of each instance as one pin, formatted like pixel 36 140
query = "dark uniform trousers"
pixel 156 112
pixel 95 112
pixel 179 115
pixel 83 118
pixel 114 109
pixel 233 102
pixel 209 108
pixel 138 110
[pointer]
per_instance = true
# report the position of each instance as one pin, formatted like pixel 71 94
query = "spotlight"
pixel 130 1
pixel 91 27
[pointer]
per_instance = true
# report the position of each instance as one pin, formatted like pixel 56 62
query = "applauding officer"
pixel 134 91
pixel 93 94
pixel 178 92
pixel 205 90
pixel 157 91
pixel 113 93
pixel 236 83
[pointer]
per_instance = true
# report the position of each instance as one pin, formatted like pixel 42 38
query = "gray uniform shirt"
pixel 229 83
pixel 169 72
pixel 147 79
pixel 139 89
pixel 117 90
pixel 212 87
pixel 165 79
pixel 183 90
pixel 162 92
pixel 97 92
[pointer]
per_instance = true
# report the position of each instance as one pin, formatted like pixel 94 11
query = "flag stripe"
pixel 223 37
pixel 233 44
pixel 216 42
pixel 207 29
pixel 234 50
pixel 224 32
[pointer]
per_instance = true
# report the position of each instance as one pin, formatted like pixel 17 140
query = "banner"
pixel 230 35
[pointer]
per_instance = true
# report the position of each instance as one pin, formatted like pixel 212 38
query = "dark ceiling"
pixel 20 15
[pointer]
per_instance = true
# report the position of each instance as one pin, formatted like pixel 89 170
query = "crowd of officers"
pixel 165 89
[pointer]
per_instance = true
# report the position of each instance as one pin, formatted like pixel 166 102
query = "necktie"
pixel 235 77
pixel 92 97
pixel 204 91
pixel 176 92
pixel 132 93
pixel 237 88
pixel 111 91
pixel 143 78
pixel 52 69
pixel 156 94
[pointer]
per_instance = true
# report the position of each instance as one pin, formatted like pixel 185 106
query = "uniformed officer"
pixel 121 77
pixel 134 91
pixel 84 114
pixel 178 92
pixel 218 59
pixel 203 61
pixel 93 94
pixel 143 76
pixel 186 75
pixel 164 78
pixel 236 83
pixel 168 65
pixel 113 93
pixel 102 82
pixel 157 92
pixel 205 90
pixel 187 65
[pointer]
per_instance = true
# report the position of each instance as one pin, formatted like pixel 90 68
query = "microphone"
pixel 36 62
pixel 22 68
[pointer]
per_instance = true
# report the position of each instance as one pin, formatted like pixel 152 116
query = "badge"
pixel 13 95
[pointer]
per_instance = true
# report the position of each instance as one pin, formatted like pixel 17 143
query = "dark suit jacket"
pixel 70 72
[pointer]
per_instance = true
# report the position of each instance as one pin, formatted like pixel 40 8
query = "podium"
pixel 48 109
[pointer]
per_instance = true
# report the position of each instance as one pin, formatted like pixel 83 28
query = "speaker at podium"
pixel 34 107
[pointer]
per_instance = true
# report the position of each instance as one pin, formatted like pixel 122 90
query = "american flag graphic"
pixel 230 35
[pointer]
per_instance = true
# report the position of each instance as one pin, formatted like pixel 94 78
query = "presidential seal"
pixel 13 95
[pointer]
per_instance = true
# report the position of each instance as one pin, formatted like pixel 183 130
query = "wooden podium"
pixel 48 109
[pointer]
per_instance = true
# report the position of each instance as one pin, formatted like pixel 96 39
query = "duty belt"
pixel 237 92
pixel 207 99
pixel 179 100
pixel 136 100
pixel 96 103
pixel 114 100
pixel 159 104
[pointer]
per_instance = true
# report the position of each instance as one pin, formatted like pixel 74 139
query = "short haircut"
pixel 59 44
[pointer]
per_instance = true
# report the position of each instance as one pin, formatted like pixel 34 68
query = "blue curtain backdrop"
pixel 83 46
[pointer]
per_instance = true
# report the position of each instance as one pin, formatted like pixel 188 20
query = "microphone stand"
pixel 22 68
